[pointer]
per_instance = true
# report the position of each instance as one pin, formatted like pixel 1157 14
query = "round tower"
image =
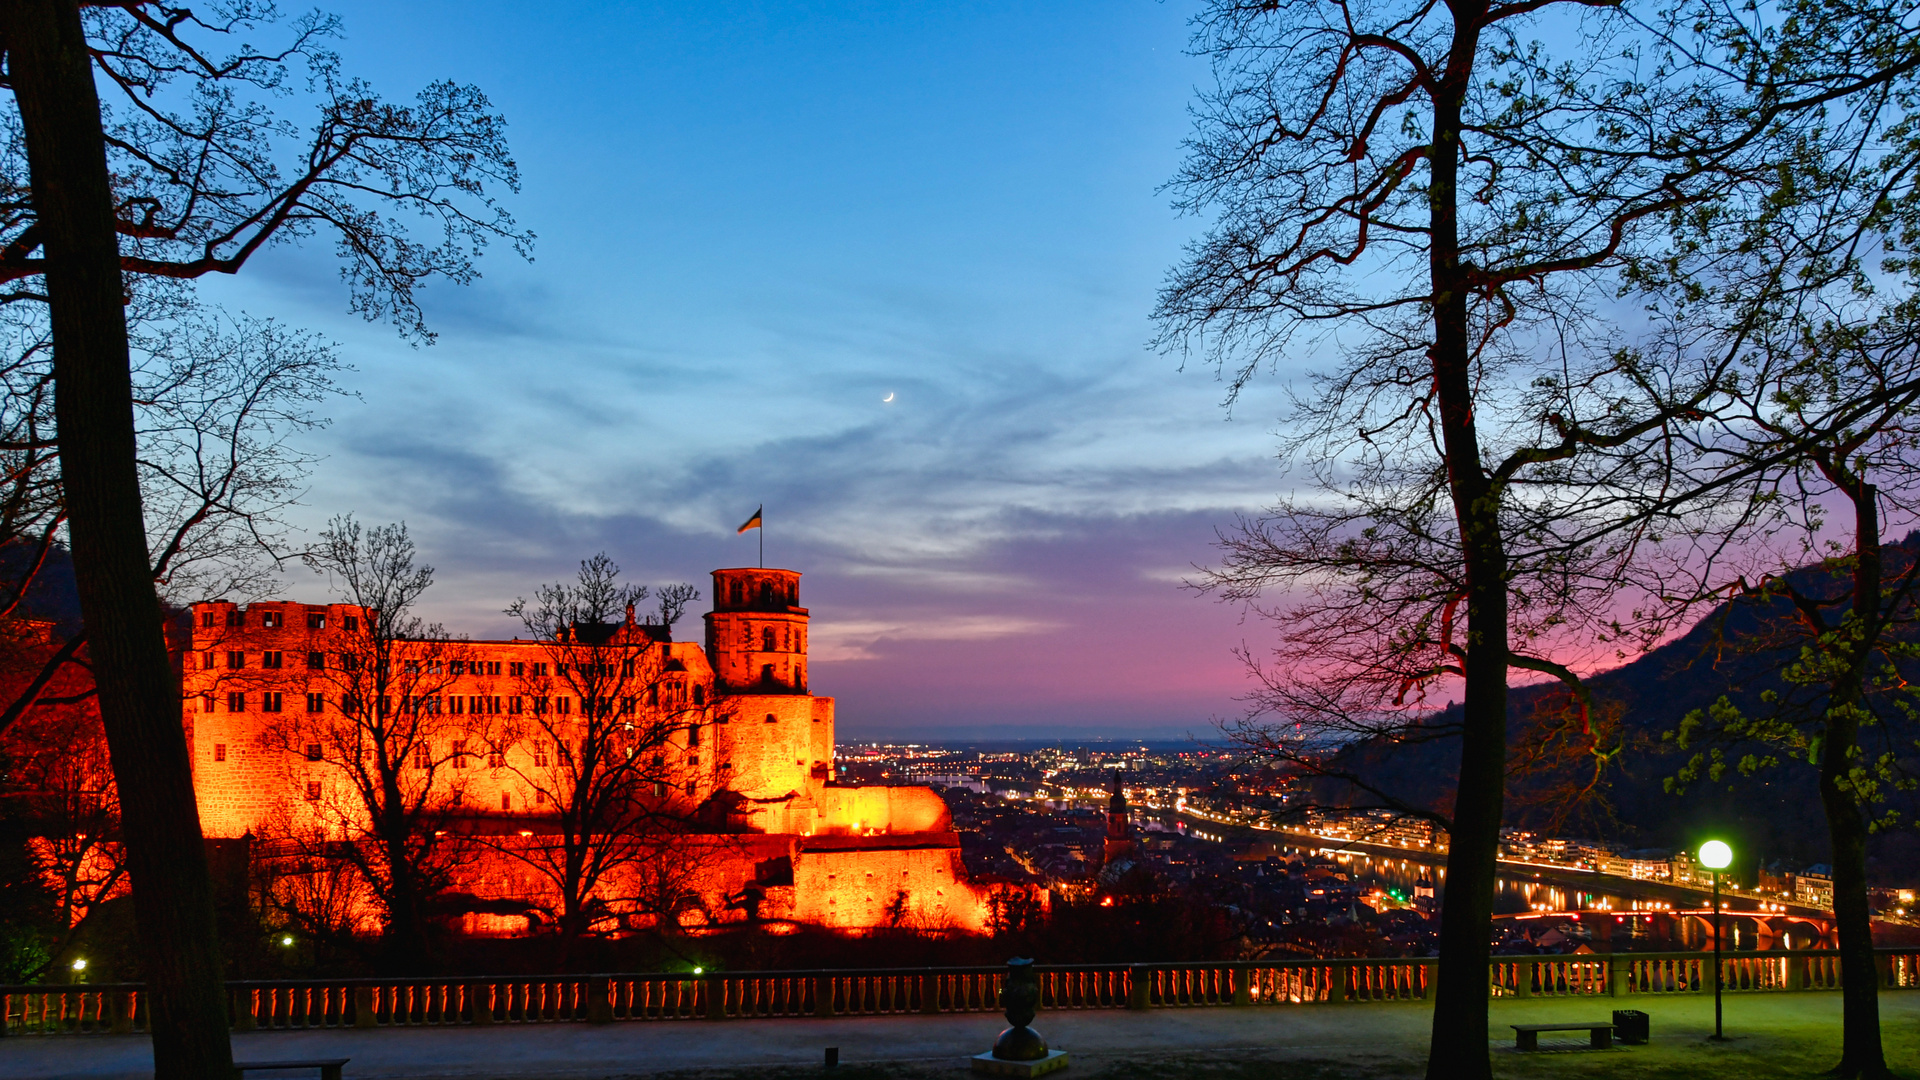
pixel 757 632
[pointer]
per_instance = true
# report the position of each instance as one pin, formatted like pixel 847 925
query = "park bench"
pixel 329 1067
pixel 1527 1036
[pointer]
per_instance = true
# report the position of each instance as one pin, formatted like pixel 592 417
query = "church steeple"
pixel 1119 826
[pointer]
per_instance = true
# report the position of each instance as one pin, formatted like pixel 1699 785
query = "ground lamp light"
pixel 1716 856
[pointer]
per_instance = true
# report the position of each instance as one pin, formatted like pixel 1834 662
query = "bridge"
pixel 1763 931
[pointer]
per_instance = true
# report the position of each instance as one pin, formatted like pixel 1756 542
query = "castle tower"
pixel 1119 828
pixel 757 632
pixel 775 739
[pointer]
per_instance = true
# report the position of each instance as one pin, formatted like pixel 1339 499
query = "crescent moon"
pixel 888 398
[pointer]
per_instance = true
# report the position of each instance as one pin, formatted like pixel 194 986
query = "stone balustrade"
pixel 725 995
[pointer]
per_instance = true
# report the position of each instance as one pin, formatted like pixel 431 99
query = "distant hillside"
pixel 1776 818
pixel 53 595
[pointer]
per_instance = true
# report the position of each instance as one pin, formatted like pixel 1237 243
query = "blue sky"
pixel 755 221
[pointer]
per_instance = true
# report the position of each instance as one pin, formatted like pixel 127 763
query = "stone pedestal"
pixel 993 1066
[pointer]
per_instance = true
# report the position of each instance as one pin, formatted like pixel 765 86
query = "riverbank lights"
pixel 1716 855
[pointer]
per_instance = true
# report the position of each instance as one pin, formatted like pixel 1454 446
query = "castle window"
pixel 460 754
pixel 313 791
pixel 772 719
pixel 316 702
pixel 627 705
pixel 270 620
pixel 766 640
pixel 626 669
pixel 219 751
pixel 693 760
pixel 693 736
pixel 496 761
pixel 506 801
pixel 206 702
pixel 561 670
pixel 207 662
pixel 540 797
pixel 659 761
pixel 422 758
pixel 766 593
pixel 539 670
pixel 539 706
pixel 236 701
pixel 313 751
pixel 236 660
pixel 726 766
pixel 271 660
pixel 316 620
pixel 350 622
pixel 456 667
pixel 766 673
pixel 733 592
pixel 455 705
pixel 562 705
pixel 516 668
pixel 236 618
pixel 270 701
pixel 316 661
pixel 699 695
pixel 513 705
pixel 349 662
pixel 206 619
pixel 659 789
pixel 689 787
pixel 540 759
pixel 653 695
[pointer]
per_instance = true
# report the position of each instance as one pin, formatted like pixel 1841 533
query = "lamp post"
pixel 1716 856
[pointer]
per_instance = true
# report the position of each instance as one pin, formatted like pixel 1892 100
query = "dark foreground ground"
pixel 1774 1035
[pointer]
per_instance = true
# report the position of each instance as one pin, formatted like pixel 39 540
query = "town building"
pixel 279 698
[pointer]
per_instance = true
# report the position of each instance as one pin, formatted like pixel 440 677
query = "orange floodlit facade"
pixel 750 753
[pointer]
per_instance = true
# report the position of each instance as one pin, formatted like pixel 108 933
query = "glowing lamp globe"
pixel 1716 855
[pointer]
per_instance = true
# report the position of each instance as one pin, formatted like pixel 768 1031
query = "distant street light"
pixel 1716 856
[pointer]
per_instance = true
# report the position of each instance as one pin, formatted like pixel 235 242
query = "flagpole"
pixel 762 530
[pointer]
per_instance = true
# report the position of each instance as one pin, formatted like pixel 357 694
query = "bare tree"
pixel 58 783
pixel 1844 391
pixel 397 755
pixel 1446 201
pixel 609 719
pixel 140 188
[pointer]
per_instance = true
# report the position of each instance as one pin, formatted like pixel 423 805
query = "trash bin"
pixel 1630 1026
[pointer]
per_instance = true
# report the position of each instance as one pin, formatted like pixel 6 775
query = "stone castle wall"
pixel 750 750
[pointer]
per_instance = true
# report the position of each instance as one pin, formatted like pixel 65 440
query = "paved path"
pixel 1388 1039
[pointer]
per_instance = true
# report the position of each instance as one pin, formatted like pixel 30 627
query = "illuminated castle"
pixel 751 753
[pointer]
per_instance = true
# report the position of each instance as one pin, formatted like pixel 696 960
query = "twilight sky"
pixel 757 220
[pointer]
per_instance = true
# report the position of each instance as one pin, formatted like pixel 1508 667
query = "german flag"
pixel 752 522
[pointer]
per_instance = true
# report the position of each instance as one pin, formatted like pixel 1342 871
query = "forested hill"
pixel 1776 816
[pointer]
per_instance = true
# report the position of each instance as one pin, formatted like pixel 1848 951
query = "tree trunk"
pixel 1860 1053
pixel 1458 1050
pixel 52 78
